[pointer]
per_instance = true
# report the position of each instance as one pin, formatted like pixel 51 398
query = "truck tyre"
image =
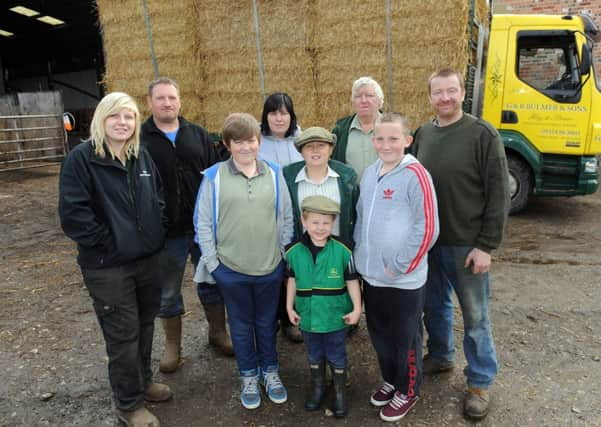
pixel 520 184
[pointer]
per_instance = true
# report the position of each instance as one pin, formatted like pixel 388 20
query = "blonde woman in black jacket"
pixel 110 204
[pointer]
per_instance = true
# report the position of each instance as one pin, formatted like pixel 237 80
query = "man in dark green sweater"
pixel 466 159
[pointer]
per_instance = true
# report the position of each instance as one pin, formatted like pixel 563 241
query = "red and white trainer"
pixel 398 407
pixel 383 396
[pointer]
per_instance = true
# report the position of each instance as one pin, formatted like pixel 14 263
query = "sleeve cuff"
pixel 485 248
pixel 212 263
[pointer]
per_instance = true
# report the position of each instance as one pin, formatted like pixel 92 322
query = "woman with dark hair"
pixel 278 129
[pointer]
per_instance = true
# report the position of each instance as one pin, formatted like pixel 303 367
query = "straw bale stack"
pixel 125 44
pixel 127 51
pixel 312 49
pixel 350 43
pixel 290 66
pixel 174 44
pixel 426 37
pixel 228 60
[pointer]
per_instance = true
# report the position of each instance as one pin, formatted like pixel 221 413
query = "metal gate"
pixel 34 134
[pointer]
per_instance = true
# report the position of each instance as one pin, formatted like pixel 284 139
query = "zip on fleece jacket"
pixel 397 224
pixel 115 215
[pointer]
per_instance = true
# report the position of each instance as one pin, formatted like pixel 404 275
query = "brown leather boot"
pixel 171 359
pixel 218 336
pixel 141 417
pixel 476 403
pixel 157 392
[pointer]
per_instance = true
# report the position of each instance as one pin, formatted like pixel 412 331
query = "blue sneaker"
pixel 250 396
pixel 275 390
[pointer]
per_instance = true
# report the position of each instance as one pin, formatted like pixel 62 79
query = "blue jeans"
pixel 446 272
pixel 330 346
pixel 252 305
pixel 173 266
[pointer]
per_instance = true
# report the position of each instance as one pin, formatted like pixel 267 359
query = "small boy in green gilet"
pixel 323 298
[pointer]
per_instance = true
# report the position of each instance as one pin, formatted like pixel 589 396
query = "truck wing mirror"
pixel 586 60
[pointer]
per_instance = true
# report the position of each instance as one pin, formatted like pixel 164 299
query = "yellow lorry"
pixel 535 76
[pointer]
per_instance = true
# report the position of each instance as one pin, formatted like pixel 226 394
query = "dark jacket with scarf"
pixel 181 168
pixel 349 193
pixel 114 213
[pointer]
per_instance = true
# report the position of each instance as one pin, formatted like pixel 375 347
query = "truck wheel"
pixel 520 184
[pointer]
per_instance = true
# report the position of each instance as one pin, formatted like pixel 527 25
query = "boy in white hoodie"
pixel 397 223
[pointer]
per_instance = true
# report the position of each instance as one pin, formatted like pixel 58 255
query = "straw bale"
pixel 171 40
pixel 426 37
pixel 311 49
pixel 128 60
pixel 174 48
pixel 286 34
pixel 347 48
pixel 127 57
pixel 227 55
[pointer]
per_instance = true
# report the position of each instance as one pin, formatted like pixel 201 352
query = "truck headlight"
pixel 590 166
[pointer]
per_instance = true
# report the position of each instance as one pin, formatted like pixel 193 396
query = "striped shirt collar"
pixel 302 176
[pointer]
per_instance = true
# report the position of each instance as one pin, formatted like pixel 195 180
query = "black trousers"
pixel 394 323
pixel 126 300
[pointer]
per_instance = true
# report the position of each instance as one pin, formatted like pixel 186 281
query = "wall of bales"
pixel 312 49
pixel 128 59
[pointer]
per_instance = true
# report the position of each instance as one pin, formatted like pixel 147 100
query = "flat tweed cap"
pixel 320 204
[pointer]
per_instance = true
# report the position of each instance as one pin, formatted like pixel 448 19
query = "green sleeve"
pixel 495 177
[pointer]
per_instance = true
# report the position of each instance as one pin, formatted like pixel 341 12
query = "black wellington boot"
pixel 318 386
pixel 339 407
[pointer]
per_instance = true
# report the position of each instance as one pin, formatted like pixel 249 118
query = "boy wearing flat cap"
pixel 316 175
pixel 323 298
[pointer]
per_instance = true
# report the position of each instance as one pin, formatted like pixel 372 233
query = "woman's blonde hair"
pixel 111 104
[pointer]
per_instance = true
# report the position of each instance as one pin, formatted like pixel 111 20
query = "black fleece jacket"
pixel 181 168
pixel 114 213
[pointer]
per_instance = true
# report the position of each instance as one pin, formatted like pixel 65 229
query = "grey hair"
pixel 368 81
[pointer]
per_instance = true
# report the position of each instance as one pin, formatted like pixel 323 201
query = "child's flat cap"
pixel 320 204
pixel 314 134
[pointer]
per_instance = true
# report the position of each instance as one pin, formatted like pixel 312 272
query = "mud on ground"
pixel 545 306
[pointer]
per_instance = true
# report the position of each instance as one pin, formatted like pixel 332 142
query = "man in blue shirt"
pixel 181 151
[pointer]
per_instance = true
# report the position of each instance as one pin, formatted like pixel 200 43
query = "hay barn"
pixel 226 55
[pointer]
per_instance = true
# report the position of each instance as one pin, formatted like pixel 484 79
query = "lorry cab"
pixel 542 94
